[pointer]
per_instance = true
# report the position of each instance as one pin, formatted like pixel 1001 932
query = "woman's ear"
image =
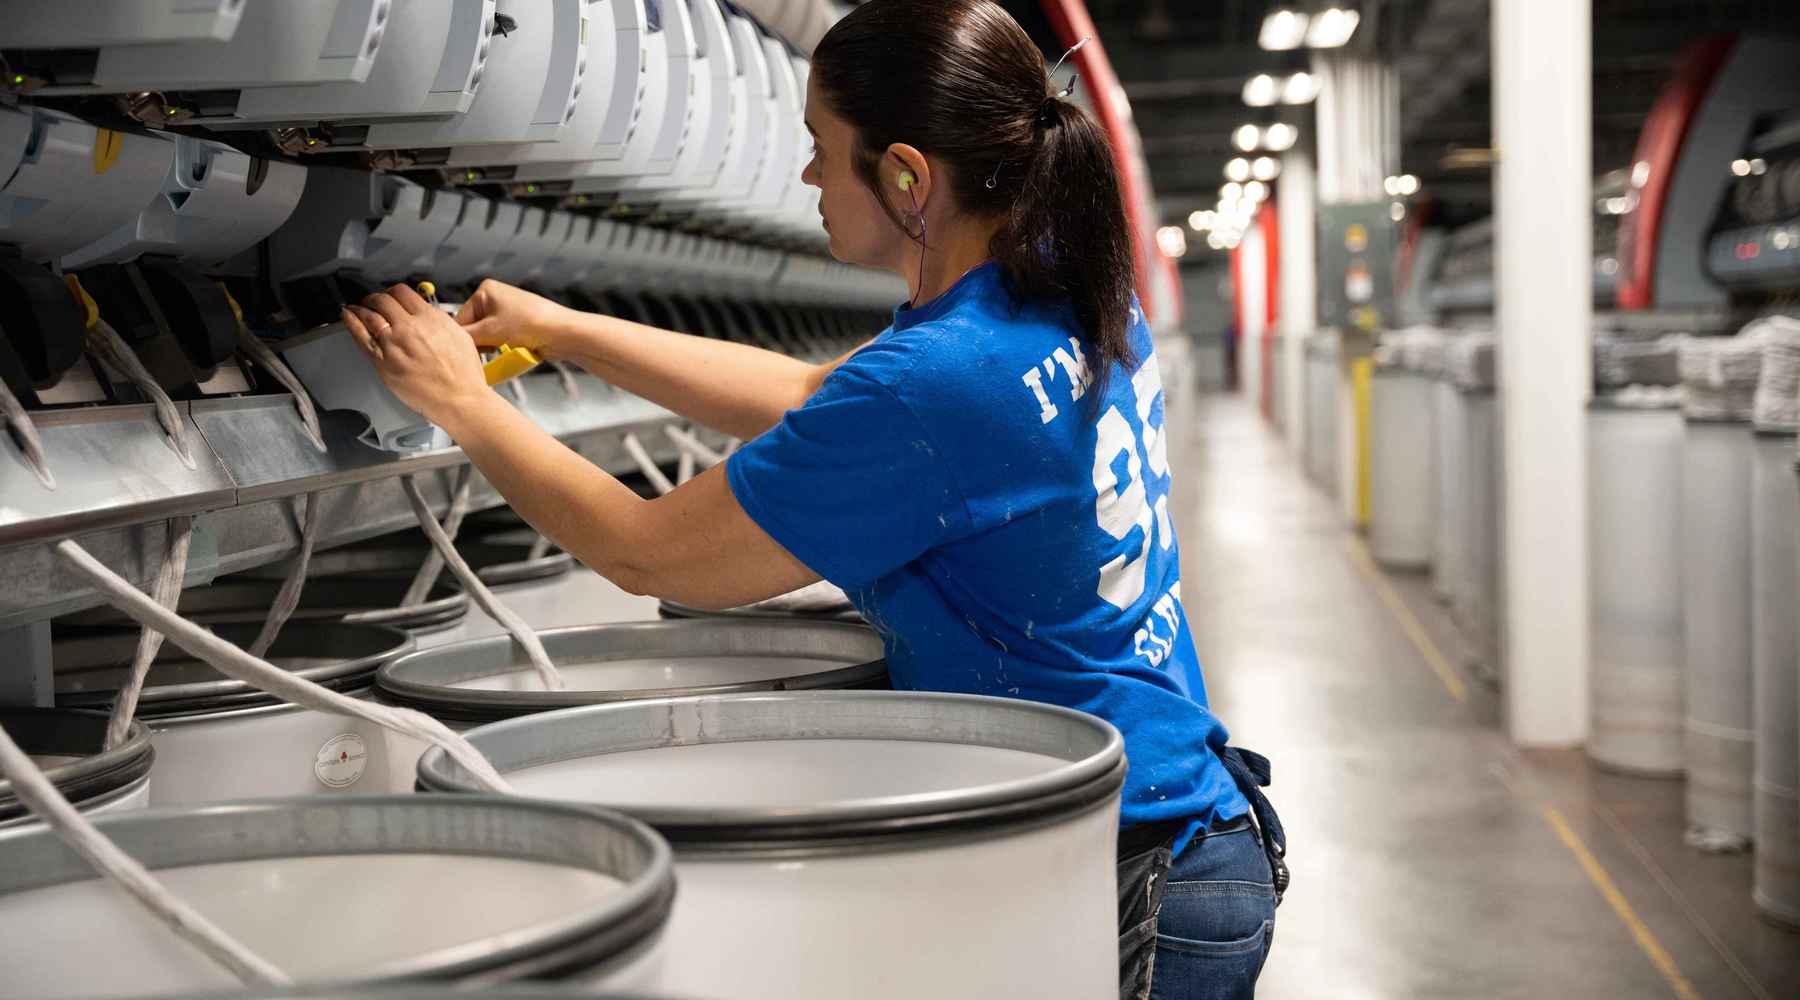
pixel 905 176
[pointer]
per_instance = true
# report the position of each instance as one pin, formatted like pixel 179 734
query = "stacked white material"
pixel 1470 362
pixel 1719 376
pixel 1777 405
pixel 1621 361
pixel 1775 584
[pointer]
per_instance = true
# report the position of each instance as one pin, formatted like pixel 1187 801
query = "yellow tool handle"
pixel 511 362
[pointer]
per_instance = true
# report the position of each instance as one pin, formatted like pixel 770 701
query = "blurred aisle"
pixel 1430 859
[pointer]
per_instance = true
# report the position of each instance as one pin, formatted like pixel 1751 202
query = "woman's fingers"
pixel 389 308
pixel 360 330
pixel 410 300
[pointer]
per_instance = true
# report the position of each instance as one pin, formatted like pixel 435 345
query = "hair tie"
pixel 1047 110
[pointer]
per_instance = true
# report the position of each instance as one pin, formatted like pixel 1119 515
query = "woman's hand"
pixel 420 352
pixel 499 313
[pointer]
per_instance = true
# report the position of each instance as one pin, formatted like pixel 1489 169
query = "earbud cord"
pixel 919 284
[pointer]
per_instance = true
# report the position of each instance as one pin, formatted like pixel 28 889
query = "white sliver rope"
pixel 521 632
pixel 647 465
pixel 103 341
pixel 166 589
pixel 46 803
pixel 566 374
pixel 239 665
pixel 433 567
pixel 288 597
pixel 692 447
pixel 18 420
pixel 266 358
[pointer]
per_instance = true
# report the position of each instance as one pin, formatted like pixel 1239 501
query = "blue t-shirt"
pixel 1004 538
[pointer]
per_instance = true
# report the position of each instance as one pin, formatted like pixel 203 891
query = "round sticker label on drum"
pixel 341 761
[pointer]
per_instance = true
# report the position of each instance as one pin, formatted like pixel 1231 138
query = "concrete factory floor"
pixel 1430 858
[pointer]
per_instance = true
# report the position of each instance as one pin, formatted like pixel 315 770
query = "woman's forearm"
pixel 696 545
pixel 734 388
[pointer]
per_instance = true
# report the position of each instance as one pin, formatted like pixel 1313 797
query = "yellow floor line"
pixel 1704 929
pixel 1408 622
pixel 1659 956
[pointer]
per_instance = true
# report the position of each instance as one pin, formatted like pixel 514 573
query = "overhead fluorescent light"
pixel 1301 88
pixel 1261 91
pixel 1280 137
pixel 1172 240
pixel 1331 28
pixel 1246 137
pixel 1238 170
pixel 1282 29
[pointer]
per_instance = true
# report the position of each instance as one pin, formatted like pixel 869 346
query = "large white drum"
pixel 1449 416
pixel 1775 775
pixel 866 844
pixel 1634 525
pixel 471 889
pixel 218 738
pixel 70 748
pixel 1476 596
pixel 1402 459
pixel 488 680
pixel 1716 629
pixel 1322 409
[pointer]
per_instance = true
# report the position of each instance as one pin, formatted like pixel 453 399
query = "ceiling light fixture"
pixel 1283 29
pixel 1280 137
pixel 1265 168
pixel 1331 28
pixel 1256 192
pixel 1172 240
pixel 1230 193
pixel 1261 91
pixel 1247 137
pixel 1202 220
pixel 1301 88
pixel 1237 170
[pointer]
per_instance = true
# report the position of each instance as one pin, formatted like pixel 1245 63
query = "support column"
pixel 1296 212
pixel 1542 108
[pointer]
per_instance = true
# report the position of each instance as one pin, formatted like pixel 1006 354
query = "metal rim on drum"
pixel 1091 750
pixel 574 836
pixel 356 652
pixel 496 565
pixel 412 991
pixel 425 679
pixel 368 599
pixel 679 611
pixel 63 733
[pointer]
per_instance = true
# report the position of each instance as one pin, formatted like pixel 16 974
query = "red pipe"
pixel 1653 166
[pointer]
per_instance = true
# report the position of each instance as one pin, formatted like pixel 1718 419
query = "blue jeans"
pixel 1217 918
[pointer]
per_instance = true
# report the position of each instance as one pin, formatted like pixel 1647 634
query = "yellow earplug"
pixel 907 180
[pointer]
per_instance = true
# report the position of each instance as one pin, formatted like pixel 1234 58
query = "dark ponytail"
pixel 962 82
